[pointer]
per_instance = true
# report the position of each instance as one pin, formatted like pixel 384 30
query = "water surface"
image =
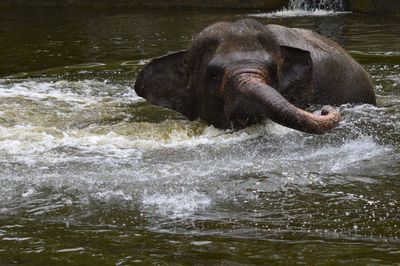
pixel 90 174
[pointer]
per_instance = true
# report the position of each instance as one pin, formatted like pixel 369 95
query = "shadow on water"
pixel 90 173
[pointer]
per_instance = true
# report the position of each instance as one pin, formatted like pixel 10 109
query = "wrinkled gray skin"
pixel 237 74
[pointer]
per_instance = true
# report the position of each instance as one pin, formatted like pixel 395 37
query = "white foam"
pixel 176 204
pixel 24 140
pixel 30 140
pixel 183 166
pixel 83 92
pixel 28 193
pixel 297 13
pixel 110 194
pixel 210 135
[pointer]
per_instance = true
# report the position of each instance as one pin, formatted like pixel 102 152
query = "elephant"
pixel 240 73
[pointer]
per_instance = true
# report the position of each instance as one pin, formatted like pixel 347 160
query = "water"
pixel 301 8
pixel 329 5
pixel 90 174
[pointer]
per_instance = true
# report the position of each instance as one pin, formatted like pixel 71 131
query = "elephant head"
pixel 235 75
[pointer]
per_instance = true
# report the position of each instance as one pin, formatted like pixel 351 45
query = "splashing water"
pixel 91 174
pixel 312 5
pixel 299 8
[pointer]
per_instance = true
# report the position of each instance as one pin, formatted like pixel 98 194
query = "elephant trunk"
pixel 252 84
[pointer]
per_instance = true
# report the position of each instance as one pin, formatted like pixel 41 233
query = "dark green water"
pixel 90 174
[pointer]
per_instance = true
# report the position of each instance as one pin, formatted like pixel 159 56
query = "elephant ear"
pixel 296 75
pixel 163 82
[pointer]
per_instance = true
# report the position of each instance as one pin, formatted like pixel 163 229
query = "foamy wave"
pixel 176 204
pixel 77 92
pixel 25 139
pixel 29 140
pixel 126 140
pixel 297 13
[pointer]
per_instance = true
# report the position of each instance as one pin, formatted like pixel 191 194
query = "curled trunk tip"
pixel 327 121
pixel 281 111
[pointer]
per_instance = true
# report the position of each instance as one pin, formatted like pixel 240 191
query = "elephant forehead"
pixel 247 42
pixel 229 56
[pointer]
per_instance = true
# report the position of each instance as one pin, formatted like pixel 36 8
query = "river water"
pixel 90 174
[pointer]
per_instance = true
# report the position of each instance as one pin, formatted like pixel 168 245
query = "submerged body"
pixel 237 74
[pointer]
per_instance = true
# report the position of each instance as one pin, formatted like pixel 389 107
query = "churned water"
pixel 90 174
pixel 301 8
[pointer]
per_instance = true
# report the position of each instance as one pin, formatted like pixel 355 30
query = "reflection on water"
pixel 90 173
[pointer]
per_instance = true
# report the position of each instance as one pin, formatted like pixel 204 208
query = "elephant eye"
pixel 213 72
